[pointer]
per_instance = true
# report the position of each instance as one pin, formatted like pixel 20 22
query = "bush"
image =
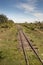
pixel 5 23
pixel 32 28
pixel 1 55
pixel 3 19
pixel 41 27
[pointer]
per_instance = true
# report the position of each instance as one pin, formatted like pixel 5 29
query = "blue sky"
pixel 22 10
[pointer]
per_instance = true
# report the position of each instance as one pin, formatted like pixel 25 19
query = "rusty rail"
pixel 25 57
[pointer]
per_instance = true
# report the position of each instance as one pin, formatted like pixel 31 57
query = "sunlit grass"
pixel 37 39
pixel 9 52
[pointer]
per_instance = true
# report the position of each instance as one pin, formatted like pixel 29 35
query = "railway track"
pixel 25 43
pixel 23 48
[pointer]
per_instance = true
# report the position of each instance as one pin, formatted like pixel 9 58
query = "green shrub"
pixel 32 28
pixel 5 23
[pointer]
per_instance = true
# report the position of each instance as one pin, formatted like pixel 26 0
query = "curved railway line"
pixel 22 36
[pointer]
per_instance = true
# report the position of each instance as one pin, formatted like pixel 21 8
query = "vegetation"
pixel 10 53
pixel 5 23
pixel 35 34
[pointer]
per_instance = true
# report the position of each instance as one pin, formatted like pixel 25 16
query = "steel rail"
pixel 25 57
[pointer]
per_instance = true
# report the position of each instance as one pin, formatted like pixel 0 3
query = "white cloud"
pixel 33 2
pixel 29 6
pixel 39 16
pixel 21 20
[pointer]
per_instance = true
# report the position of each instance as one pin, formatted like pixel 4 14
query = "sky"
pixel 22 10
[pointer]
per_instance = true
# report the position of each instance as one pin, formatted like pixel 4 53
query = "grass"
pixel 37 39
pixel 9 52
pixel 32 59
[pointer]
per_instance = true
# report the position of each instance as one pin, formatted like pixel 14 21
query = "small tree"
pixel 3 18
pixel 4 22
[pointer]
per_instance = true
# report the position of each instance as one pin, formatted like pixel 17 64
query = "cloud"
pixel 29 5
pixel 38 15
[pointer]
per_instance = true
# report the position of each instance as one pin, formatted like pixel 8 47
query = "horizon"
pixel 21 11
